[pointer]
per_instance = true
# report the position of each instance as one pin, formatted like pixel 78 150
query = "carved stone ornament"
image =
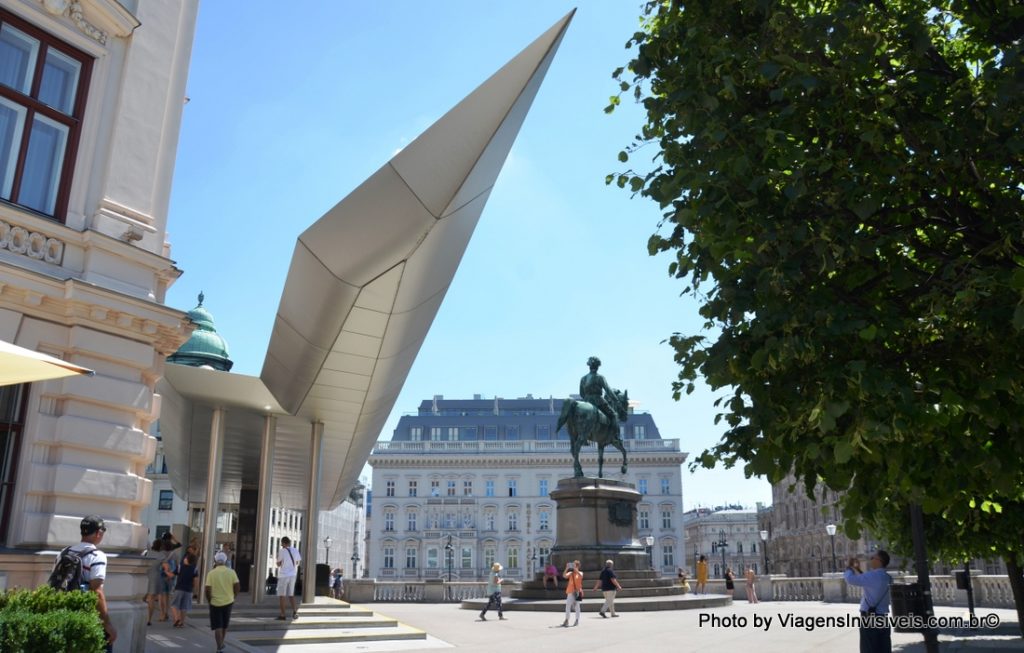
pixel 620 513
pixel 32 244
pixel 73 9
pixel 56 7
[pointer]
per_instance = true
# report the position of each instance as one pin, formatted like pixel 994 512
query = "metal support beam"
pixel 312 531
pixel 258 587
pixel 212 509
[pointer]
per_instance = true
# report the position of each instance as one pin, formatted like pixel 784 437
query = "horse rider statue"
pixel 595 419
pixel 596 391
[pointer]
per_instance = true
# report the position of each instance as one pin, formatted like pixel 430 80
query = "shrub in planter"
pixel 47 621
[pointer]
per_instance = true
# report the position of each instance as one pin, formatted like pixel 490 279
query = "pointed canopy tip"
pixel 566 19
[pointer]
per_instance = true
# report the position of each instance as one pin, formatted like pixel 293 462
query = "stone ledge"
pixel 646 604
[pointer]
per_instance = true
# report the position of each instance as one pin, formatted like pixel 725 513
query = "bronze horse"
pixel 586 424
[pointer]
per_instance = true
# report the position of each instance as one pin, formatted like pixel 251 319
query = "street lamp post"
pixel 764 547
pixel 723 545
pixel 327 545
pixel 355 562
pixel 533 562
pixel 448 549
pixel 831 530
pixel 649 545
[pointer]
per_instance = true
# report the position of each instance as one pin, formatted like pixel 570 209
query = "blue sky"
pixel 289 111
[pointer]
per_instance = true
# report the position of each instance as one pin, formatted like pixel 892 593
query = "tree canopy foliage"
pixel 843 193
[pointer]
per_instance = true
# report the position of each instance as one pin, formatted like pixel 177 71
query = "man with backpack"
pixel 83 567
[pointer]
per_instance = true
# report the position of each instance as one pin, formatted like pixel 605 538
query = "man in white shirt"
pixel 288 560
pixel 94 569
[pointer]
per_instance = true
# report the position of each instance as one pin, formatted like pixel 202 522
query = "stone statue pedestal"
pixel 596 521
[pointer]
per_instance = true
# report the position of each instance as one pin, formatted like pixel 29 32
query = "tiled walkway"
pixel 716 630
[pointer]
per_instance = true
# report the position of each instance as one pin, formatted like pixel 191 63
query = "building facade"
pixel 728 536
pixel 800 543
pixel 91 97
pixel 166 509
pixel 204 348
pixel 465 483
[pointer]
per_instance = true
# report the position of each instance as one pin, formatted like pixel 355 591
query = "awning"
pixel 20 365
pixel 365 283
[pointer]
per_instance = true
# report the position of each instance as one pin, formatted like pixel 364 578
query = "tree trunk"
pixel 1017 585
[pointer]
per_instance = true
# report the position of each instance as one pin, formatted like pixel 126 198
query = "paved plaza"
pixel 449 627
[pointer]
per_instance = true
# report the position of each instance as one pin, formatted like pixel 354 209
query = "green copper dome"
pixel 205 348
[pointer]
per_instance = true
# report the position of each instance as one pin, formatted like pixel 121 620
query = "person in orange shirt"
pixel 573 591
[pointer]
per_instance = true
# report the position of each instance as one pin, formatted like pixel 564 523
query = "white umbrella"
pixel 20 365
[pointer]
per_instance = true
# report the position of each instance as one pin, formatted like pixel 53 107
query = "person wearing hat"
pixel 493 591
pixel 94 569
pixel 222 587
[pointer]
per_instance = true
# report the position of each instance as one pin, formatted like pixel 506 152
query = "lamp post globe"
pixel 327 545
pixel 764 547
pixel 831 530
pixel 723 545
pixel 448 549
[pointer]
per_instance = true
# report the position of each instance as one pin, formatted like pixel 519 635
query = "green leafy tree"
pixel 842 192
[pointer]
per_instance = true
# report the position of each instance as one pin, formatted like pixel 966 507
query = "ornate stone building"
pixel 91 97
pixel 800 544
pixel 465 483
pixel 707 529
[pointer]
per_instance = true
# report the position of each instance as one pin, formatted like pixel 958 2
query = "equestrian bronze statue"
pixel 595 419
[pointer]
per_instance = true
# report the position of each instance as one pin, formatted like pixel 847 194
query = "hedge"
pixel 47 621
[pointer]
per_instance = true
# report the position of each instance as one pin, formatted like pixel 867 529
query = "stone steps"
pixel 592 602
pixel 625 582
pixel 326 623
pixel 270 612
pixel 635 584
pixel 305 623
pixel 333 636
pixel 625 593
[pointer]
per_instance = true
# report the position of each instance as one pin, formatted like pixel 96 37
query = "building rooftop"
pixel 499 419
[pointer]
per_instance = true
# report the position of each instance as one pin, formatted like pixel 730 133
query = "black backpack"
pixel 67 571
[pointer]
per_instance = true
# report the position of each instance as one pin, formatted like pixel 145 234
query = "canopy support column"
pixel 212 510
pixel 259 584
pixel 312 530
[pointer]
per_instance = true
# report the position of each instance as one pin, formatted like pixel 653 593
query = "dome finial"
pixel 201 297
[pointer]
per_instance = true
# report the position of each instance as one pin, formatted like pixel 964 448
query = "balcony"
pixel 513 446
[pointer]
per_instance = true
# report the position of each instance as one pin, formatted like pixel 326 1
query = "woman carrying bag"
pixel 573 591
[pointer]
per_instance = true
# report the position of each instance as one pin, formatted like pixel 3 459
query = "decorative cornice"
pixel 32 244
pixel 523 459
pixel 138 224
pixel 112 16
pixel 87 28
pixel 165 335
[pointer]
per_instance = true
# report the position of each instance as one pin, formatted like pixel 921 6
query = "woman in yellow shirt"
pixel 702 575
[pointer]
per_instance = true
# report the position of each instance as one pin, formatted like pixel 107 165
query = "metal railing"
pixel 514 446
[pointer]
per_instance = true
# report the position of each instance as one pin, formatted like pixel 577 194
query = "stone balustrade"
pixel 423 591
pixel 419 447
pixel 989 591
